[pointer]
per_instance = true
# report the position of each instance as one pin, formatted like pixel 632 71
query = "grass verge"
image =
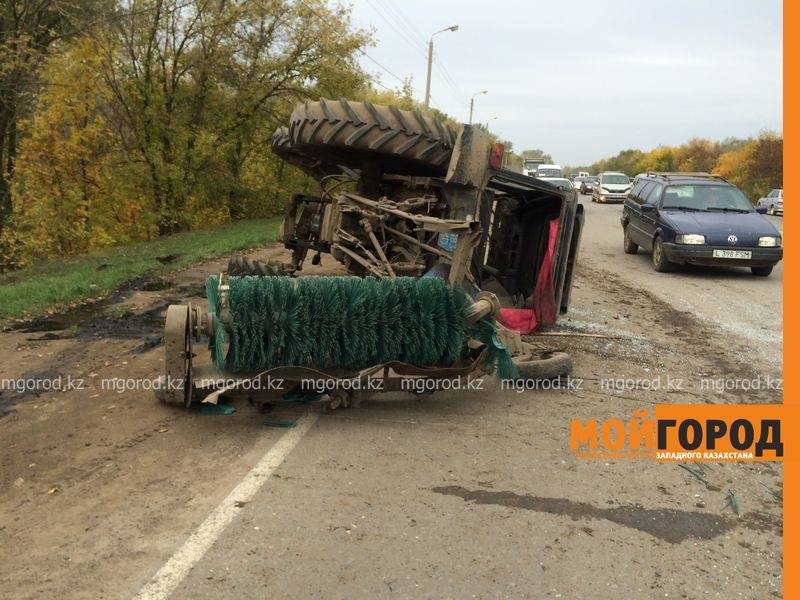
pixel 54 285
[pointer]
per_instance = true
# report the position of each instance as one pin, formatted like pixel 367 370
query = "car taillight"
pixel 496 157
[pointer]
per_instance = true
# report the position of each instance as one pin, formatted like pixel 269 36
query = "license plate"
pixel 745 254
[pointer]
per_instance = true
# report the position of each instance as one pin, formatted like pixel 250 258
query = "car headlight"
pixel 690 238
pixel 602 197
pixel 769 240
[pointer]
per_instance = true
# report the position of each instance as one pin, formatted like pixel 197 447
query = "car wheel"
pixel 761 271
pixel 659 257
pixel 628 245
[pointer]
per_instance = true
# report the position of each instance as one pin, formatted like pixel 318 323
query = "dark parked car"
pixel 697 219
pixel 588 184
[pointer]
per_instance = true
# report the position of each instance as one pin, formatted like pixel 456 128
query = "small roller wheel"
pixel 176 385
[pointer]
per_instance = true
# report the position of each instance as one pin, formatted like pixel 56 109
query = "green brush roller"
pixel 344 322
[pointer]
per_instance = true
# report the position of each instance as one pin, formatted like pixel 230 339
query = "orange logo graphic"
pixel 680 432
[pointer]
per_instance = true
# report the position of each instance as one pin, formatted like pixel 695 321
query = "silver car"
pixel 772 203
pixel 612 187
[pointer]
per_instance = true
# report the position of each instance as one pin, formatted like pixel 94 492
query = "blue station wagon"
pixel 698 219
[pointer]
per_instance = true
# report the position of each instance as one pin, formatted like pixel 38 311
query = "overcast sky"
pixel 584 79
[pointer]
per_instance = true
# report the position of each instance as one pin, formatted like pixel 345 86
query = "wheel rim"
pixel 657 252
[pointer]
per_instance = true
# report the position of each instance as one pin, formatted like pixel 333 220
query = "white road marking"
pixel 178 566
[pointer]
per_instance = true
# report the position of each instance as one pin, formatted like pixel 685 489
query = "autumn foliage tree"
pixel 27 31
pixel 73 188
pixel 159 119
pixel 756 166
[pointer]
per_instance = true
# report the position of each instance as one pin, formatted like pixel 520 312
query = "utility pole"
pixel 430 63
pixel 430 67
pixel 472 103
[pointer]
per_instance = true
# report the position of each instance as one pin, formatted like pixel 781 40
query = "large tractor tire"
pixel 241 266
pixel 356 134
pixel 282 146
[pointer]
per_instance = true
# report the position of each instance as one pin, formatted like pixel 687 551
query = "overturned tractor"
pixel 451 259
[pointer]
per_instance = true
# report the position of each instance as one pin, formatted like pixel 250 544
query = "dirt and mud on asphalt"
pixel 468 494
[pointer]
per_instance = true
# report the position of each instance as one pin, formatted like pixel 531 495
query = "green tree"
pixel 535 153
pixel 200 87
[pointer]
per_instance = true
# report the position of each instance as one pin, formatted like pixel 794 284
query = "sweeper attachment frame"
pixel 451 259
pixel 325 328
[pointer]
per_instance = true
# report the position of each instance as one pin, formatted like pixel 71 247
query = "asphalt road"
pixel 107 493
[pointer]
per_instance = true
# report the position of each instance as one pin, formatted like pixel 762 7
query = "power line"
pixel 366 55
pixel 336 30
pixel 392 23
pixel 393 8
pixel 448 79
pixel 447 75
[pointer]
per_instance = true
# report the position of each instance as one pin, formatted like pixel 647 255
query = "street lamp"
pixel 472 103
pixel 430 62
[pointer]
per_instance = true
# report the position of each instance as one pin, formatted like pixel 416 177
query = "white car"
pixel 549 171
pixel 611 187
pixel 772 203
